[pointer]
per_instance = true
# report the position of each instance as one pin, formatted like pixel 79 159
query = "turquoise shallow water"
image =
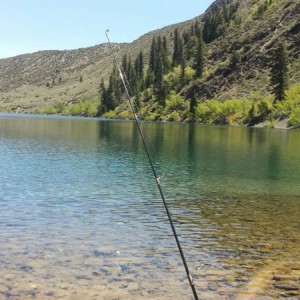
pixel 80 216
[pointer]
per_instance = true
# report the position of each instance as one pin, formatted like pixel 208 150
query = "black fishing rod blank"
pixel 157 178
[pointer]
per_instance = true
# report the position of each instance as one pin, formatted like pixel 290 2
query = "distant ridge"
pixel 30 82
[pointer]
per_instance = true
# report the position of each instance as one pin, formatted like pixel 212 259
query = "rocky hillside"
pixel 237 60
pixel 31 81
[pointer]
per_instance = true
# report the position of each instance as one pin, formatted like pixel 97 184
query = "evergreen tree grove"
pixel 110 97
pixel 167 71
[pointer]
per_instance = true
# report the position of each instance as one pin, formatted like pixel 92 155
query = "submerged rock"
pixel 287 287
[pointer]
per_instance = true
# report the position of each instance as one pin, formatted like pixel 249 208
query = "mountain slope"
pixel 32 81
pixel 253 39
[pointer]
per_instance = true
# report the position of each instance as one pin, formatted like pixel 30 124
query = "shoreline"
pixel 281 123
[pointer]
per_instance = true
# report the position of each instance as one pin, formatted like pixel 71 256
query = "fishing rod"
pixel 157 178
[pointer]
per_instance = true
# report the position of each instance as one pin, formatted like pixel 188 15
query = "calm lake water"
pixel 81 218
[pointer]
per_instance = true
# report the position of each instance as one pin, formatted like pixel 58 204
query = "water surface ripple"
pixel 80 216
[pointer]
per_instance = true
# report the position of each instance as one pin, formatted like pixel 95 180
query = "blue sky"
pixel 31 25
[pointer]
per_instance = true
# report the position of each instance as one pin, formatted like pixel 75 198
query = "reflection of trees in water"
pixel 273 170
pixel 206 157
pixel 266 148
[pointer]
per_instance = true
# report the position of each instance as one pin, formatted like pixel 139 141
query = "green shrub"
pixel 295 117
pixel 84 108
pixel 151 117
pixel 66 111
pixel 92 111
pixel 125 115
pixel 75 110
pixel 232 111
pixel 230 107
pixel 293 94
pixel 48 110
pixel 283 109
pixel 172 79
pixel 270 123
pixel 89 108
pixel 110 115
pixel 265 106
pixel 174 116
pixel 207 112
pixel 175 102
pixel 59 107
pixel 189 73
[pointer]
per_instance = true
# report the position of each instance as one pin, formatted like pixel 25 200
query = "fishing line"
pixel 157 178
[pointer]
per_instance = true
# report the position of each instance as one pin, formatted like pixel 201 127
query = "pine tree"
pixel 124 64
pixel 153 52
pixel 159 64
pixel 139 66
pixel 191 48
pixel 139 72
pixel 113 92
pixel 226 13
pixel 162 67
pixel 207 30
pixel 129 73
pixel 199 65
pixel 279 73
pixel 102 92
pixel 186 37
pixel 182 73
pixel 158 67
pixel 149 80
pixel 158 78
pixel 178 49
pixel 166 58
pixel 197 29
pixel 193 104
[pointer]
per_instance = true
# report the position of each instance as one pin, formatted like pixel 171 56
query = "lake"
pixel 81 217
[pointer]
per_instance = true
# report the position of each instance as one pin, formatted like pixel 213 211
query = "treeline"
pixel 111 96
pixel 166 70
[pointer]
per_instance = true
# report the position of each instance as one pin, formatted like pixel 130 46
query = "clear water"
pixel 81 218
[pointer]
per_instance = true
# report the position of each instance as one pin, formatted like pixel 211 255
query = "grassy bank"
pixel 252 111
pixel 87 108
